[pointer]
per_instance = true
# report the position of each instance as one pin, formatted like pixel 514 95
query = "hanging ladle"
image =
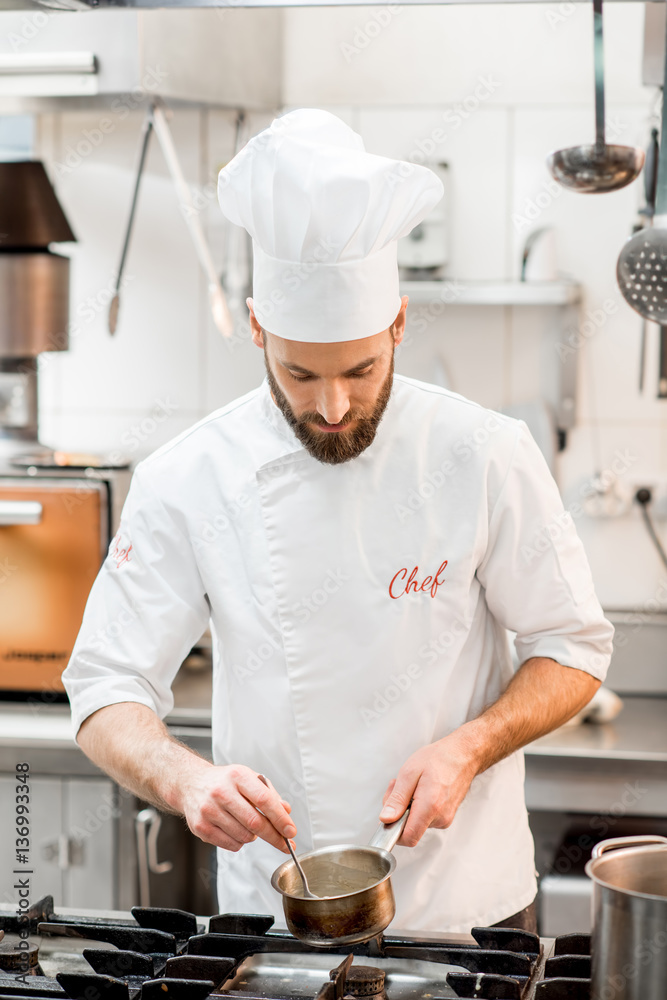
pixel 597 168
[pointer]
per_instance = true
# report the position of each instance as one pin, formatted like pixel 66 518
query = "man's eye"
pixel 308 378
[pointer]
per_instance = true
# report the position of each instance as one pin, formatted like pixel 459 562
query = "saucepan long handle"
pixel 614 842
pixel 388 835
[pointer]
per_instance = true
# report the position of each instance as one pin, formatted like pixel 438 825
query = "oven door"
pixel 54 533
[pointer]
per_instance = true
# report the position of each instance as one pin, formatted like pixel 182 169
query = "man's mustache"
pixel 319 421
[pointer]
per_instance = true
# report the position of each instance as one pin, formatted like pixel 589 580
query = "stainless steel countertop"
pixel 639 733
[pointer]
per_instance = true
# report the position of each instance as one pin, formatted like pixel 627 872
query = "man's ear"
pixel 257 332
pixel 398 325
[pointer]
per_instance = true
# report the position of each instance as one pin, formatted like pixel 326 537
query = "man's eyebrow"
pixel 362 364
pixel 305 371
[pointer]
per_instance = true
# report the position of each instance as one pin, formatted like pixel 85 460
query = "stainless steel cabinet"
pixel 71 840
pixel 45 817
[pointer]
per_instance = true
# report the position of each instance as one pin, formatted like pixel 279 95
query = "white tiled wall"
pixel 392 73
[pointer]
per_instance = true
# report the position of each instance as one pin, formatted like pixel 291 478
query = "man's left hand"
pixel 542 695
pixel 436 779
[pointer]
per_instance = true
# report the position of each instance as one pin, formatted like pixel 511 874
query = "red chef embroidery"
pixel 120 553
pixel 399 585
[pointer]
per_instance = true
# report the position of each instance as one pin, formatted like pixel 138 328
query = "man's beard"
pixel 333 447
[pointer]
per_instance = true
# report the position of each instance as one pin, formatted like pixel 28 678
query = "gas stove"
pixel 164 954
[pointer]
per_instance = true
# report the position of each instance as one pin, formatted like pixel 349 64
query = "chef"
pixel 359 544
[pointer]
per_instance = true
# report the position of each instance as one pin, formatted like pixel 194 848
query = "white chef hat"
pixel 324 216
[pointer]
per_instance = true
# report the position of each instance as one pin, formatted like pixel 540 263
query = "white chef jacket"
pixel 358 612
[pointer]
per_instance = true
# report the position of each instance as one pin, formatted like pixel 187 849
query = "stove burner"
pixel 364 981
pixel 23 959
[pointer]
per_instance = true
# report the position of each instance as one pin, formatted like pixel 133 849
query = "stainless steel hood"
pixel 135 49
pixel 34 291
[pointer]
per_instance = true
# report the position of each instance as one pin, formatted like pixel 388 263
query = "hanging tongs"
pixel 156 119
pixel 115 302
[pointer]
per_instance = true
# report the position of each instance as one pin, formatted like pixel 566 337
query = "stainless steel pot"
pixel 629 942
pixel 358 914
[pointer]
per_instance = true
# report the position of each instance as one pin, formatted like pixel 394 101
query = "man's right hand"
pixel 230 806
pixel 225 806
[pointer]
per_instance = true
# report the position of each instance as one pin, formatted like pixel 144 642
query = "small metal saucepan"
pixel 353 885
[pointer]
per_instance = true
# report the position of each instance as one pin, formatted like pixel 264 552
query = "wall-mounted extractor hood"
pixel 34 291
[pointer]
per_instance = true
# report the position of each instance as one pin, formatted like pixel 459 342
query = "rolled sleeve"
pixel 144 613
pixel 535 572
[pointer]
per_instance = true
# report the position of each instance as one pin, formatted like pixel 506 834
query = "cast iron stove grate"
pixel 568 972
pixel 163 954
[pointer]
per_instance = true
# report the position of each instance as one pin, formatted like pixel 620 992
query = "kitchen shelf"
pixel 493 293
pixel 558 367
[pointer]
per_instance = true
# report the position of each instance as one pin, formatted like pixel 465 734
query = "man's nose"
pixel 333 402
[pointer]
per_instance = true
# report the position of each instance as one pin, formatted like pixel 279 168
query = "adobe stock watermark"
pixel 303 611
pixel 86 311
pixel 31 25
pixel 7 569
pixel 365 33
pixel 242 333
pixel 648 950
pixel 556 16
pixel 288 281
pixel 213 527
pixel 140 433
pixel 563 521
pixel 385 697
pixel 94 819
pixel 256 659
pixel 104 636
pixel 426 149
pixel 399 682
pixel 637 619
pixel 453 118
pixel 600 826
pixel 584 331
pixel 464 449
pixel 293 277
pixel 421 318
pixel 79 492
pixel 91 138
